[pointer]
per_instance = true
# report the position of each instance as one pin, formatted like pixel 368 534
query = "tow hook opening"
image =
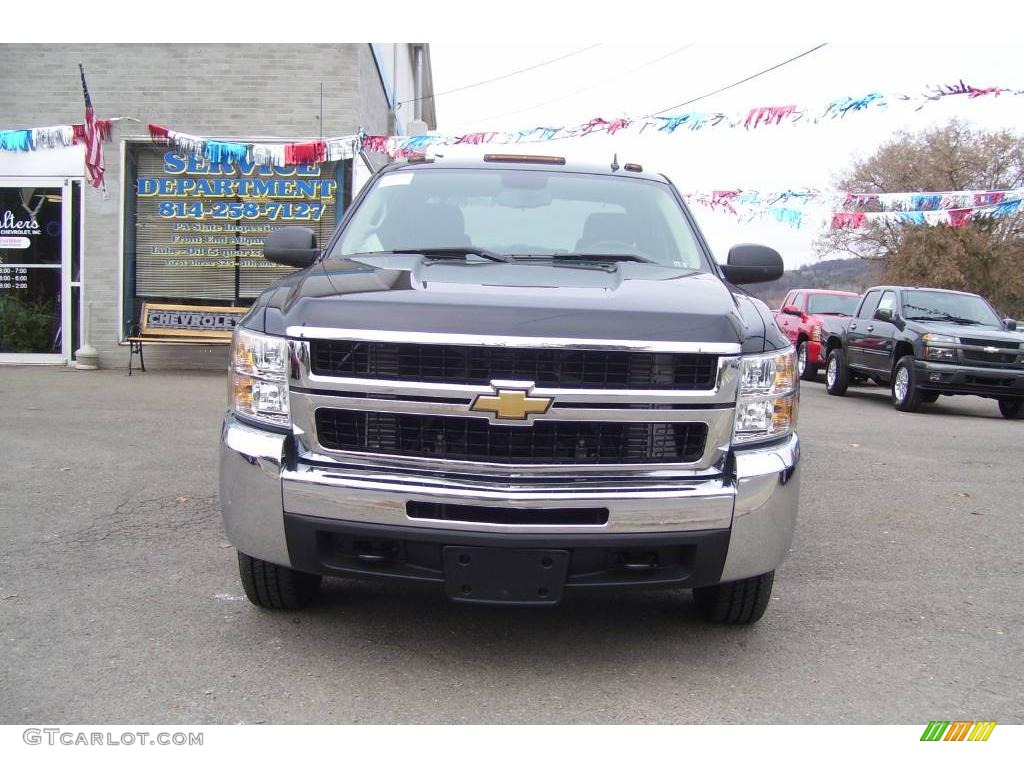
pixel 375 551
pixel 636 560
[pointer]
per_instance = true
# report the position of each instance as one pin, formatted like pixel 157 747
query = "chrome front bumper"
pixel 759 503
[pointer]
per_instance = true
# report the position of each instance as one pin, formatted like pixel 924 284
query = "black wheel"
pixel 905 394
pixel 1011 407
pixel 807 371
pixel 837 375
pixel 929 397
pixel 269 585
pixel 735 602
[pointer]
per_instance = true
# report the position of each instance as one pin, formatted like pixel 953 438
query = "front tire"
pixel 269 585
pixel 905 393
pixel 929 397
pixel 837 375
pixel 808 371
pixel 735 602
pixel 1011 407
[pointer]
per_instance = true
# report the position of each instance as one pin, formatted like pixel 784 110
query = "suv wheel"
pixel 269 585
pixel 1011 407
pixel 807 371
pixel 735 602
pixel 905 394
pixel 837 375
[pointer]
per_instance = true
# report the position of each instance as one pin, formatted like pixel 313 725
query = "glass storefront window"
pixel 31 282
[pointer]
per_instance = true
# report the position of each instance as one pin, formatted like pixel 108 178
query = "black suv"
pixel 926 342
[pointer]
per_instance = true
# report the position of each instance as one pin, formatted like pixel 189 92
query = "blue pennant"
pixel 418 142
pixel 926 202
pixel 219 151
pixel 913 217
pixel 16 141
pixel 1008 208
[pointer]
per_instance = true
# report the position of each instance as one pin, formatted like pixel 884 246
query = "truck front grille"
pixel 991 358
pixel 559 368
pixel 543 442
pixel 997 343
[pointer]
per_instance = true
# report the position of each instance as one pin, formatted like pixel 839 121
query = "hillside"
pixel 839 275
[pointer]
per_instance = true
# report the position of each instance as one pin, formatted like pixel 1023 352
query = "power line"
pixel 591 87
pixel 500 77
pixel 740 82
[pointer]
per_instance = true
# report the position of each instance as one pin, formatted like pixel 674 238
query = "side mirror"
pixel 750 263
pixel 884 314
pixel 1010 323
pixel 790 309
pixel 291 246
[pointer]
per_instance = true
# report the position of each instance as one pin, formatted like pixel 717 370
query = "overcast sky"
pixel 613 80
pixel 643 56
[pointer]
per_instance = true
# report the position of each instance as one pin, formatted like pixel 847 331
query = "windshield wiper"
pixel 943 317
pixel 937 316
pixel 454 253
pixel 590 257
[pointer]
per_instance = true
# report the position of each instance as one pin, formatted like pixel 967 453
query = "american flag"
pixel 93 140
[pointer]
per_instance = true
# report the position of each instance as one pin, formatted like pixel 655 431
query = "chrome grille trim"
pixel 714 407
pixel 724 391
pixel 623 345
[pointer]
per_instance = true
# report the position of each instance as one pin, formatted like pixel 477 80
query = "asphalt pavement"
pixel 902 600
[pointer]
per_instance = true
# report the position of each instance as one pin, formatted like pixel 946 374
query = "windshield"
pixel 826 304
pixel 524 213
pixel 948 307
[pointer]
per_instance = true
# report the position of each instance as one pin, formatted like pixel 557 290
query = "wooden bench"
pixel 180 324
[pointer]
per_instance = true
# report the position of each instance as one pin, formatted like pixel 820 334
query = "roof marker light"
pixel 543 159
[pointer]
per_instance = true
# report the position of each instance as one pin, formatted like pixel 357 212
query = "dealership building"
pixel 173 245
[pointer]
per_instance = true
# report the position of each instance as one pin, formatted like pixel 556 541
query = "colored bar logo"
pixel 958 730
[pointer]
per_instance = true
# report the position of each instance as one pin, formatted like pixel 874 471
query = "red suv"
pixel 800 319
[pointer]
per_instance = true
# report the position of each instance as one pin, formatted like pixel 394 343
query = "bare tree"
pixel 985 256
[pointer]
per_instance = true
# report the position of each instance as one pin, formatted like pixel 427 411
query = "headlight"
pixel 939 353
pixel 767 403
pixel 258 378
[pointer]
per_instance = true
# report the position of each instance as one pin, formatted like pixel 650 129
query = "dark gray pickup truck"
pixel 513 378
pixel 927 342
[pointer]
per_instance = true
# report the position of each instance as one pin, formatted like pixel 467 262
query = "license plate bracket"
pixel 510 576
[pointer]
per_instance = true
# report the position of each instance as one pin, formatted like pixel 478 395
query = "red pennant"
pixel 959 217
pixel 375 144
pixel 847 220
pixel 159 134
pixel 768 115
pixel 474 138
pixel 306 153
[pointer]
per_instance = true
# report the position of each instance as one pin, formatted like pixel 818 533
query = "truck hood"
pixel 402 293
pixel 987 332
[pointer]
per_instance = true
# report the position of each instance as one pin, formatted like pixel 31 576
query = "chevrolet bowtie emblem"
pixel 991 350
pixel 513 404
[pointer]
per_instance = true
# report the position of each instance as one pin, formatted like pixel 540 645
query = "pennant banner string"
pixel 754 118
